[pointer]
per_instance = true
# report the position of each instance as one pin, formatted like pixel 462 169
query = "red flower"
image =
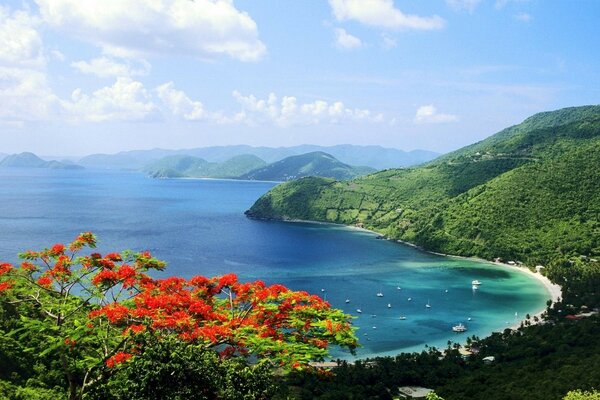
pixel 227 280
pixel 117 359
pixel 104 277
pixel 57 249
pixel 70 342
pixel 5 286
pixel 45 281
pixel 5 267
pixel 28 266
pixel 116 257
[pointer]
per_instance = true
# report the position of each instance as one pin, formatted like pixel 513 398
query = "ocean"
pixel 198 227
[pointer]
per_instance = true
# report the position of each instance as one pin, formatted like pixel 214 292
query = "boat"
pixel 347 301
pixel 459 328
pixel 389 305
pixel 399 288
pixel 475 282
pixel 468 319
pixel 402 317
pixel 322 290
pixel 358 310
pixel 410 299
pixel 428 305
pixel 380 294
pixel 446 291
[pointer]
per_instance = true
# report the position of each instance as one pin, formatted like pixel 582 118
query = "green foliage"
pixel 171 369
pixel 579 395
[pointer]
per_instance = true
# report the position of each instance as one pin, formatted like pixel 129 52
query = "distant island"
pixel 376 157
pixel 250 167
pixel 30 160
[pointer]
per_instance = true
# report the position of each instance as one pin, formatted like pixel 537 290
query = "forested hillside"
pixel 529 193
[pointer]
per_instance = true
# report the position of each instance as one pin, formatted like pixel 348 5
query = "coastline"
pixel 554 291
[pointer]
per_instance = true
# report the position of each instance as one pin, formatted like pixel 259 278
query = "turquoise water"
pixel 198 227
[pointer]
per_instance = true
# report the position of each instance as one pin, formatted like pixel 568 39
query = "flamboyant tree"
pixel 92 312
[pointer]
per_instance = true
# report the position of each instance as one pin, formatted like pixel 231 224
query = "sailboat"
pixel 389 305
pixel 428 305
pixel 380 294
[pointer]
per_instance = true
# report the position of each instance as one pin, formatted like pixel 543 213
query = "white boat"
pixel 389 305
pixel 475 282
pixel 347 301
pixel 322 290
pixel 410 299
pixel 468 319
pixel 380 294
pixel 428 305
pixel 399 288
pixel 402 317
pixel 459 328
pixel 358 310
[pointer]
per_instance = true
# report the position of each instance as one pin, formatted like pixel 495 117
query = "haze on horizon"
pixel 80 76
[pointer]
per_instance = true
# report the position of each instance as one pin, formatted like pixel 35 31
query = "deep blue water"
pixel 198 227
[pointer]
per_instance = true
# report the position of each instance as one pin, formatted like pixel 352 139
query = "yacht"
pixel 389 305
pixel 410 299
pixel 402 317
pixel 358 310
pixel 459 328
pixel 476 282
pixel 347 301
pixel 428 305
pixel 380 294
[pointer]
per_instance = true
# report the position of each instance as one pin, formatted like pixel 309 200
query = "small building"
pixel 413 392
pixel 511 263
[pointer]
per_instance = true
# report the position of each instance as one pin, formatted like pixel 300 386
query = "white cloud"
pixel 523 17
pixel 459 5
pixel 104 67
pixel 428 114
pixel 344 40
pixel 20 42
pixel 126 100
pixel 141 27
pixel 382 14
pixel 25 96
pixel 179 103
pixel 289 111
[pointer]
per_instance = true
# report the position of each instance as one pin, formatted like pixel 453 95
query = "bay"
pixel 198 227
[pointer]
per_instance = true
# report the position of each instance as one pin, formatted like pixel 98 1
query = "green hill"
pixel 30 160
pixel 310 164
pixel 529 193
pixel 188 166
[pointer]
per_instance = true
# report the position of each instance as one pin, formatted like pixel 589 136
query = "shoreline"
pixel 554 291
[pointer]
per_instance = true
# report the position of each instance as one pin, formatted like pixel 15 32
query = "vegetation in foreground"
pixel 99 327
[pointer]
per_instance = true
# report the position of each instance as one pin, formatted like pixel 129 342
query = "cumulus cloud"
pixel 126 100
pixel 104 67
pixel 20 42
pixel 26 96
pixel 179 104
pixel 382 14
pixel 428 114
pixel 460 5
pixel 140 27
pixel 346 41
pixel 289 111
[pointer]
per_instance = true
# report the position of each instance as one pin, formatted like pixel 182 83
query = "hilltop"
pixel 529 193
pixel 310 164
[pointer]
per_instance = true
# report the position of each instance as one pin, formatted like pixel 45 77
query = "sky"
pixel 79 77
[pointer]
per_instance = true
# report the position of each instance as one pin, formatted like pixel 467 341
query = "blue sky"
pixel 87 76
